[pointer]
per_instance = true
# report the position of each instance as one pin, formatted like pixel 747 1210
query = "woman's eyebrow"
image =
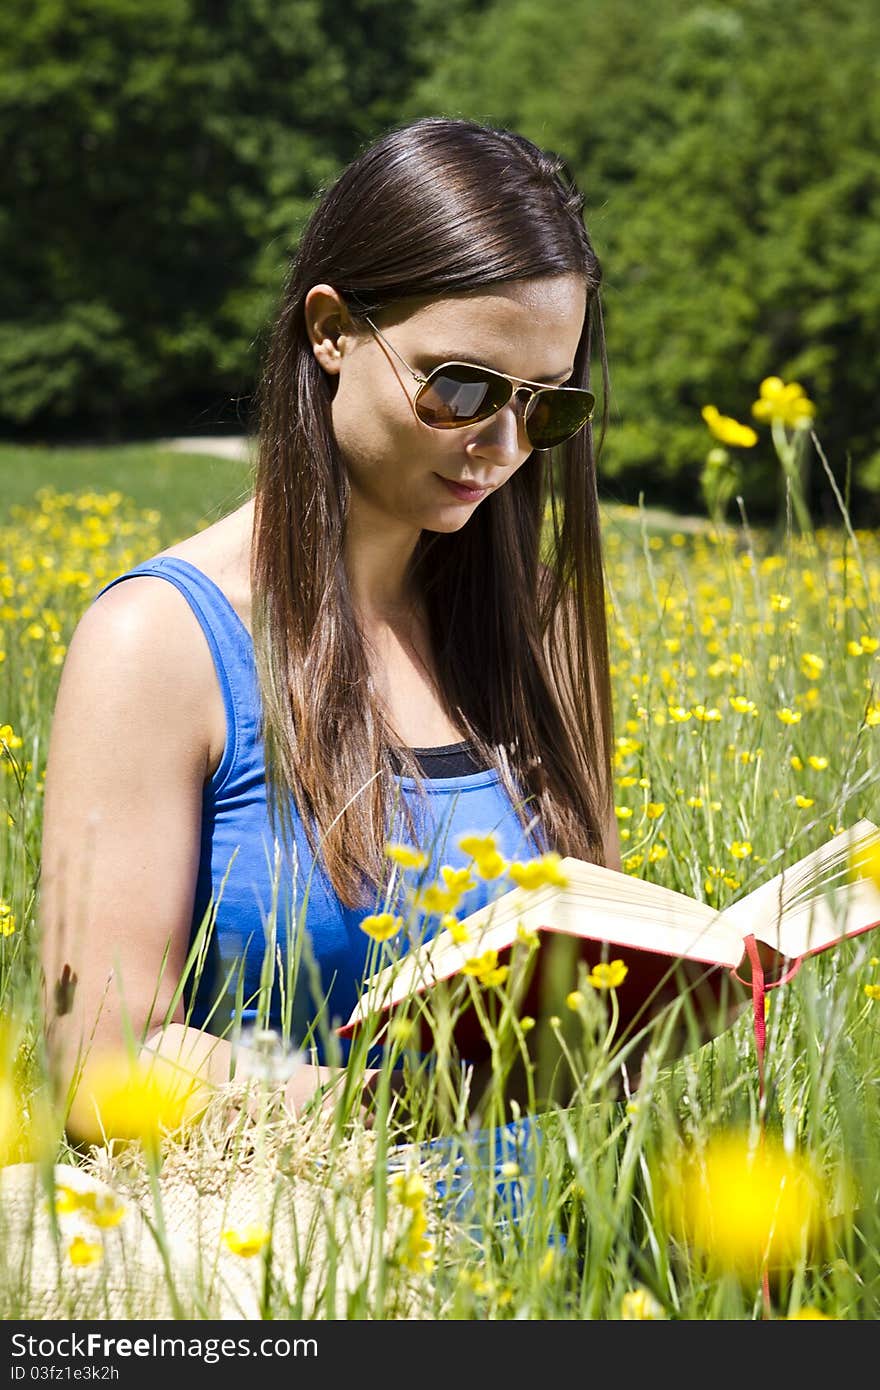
pixel 438 359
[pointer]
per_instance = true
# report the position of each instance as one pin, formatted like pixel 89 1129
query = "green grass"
pixel 190 490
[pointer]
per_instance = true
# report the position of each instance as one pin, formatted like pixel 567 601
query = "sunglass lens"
pixel 460 395
pixel 554 416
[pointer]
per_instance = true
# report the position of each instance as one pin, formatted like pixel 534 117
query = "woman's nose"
pixel 505 432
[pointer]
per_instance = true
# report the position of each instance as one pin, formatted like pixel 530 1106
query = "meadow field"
pixel 746 670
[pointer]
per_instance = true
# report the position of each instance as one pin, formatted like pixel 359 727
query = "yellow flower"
pixel 812 665
pixel 728 430
pixel 817 763
pixel 707 716
pixel 485 969
pixel 872 991
pixel 641 1306
pixel 655 809
pixel 491 865
pixel 623 812
pixel 854 649
pixel 864 861
pixel 872 716
pixel 779 602
pixel 808 1314
pixel 526 936
pixel 741 704
pixel 868 644
pixel 678 714
pixel 608 974
pixel 788 716
pixel 7 921
pixel 657 852
pixel 804 801
pixel 409 1189
pixel 740 849
pixel 381 926
pixel 433 898
pixel 85 1252
pixel 478 845
pixel 574 1000
pixel 510 1169
pixel 535 873
pixel 457 880
pixel 741 1205
pixel 527 1023
pixel 246 1241
pixel 456 928
pixel 788 403
pixel 406 855
pixel 136 1099
pixel 103 1209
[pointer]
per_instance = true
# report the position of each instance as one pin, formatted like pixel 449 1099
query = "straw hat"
pixel 99 1237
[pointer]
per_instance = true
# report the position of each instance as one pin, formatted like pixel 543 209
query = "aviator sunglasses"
pixel 456 394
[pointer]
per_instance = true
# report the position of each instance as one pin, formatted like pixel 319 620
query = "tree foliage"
pixel 163 156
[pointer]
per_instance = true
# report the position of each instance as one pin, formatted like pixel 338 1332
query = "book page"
pixel 598 904
pixel 812 903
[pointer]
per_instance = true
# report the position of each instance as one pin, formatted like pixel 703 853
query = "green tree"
pixel 728 153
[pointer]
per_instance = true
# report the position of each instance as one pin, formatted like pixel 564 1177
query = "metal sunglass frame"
pixel 523 381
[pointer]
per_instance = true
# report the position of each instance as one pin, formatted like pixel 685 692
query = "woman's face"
pixel 396 464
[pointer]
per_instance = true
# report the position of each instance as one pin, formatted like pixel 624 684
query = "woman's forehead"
pixel 525 314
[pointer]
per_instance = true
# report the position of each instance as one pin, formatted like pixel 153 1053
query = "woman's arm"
pixel 127 760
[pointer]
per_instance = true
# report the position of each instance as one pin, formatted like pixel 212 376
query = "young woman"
pixel 400 636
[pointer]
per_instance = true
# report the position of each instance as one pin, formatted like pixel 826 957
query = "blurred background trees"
pixel 163 155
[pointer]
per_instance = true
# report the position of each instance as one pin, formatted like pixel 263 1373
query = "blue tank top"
pixel 277 918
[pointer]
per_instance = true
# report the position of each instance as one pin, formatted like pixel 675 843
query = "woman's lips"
pixel 464 494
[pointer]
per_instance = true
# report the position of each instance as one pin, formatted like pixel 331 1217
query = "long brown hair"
pixel 437 207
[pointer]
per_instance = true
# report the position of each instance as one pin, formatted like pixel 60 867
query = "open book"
pixel 811 905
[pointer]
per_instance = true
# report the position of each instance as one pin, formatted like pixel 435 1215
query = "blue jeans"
pixel 464 1166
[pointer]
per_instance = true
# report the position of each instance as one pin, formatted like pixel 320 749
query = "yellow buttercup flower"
pixel 640 1305
pixel 741 704
pixel 809 1314
pixel 655 809
pixel 456 928
pixel 574 1000
pixel 872 991
pixel 478 845
pixel 246 1241
pixel 82 1252
pixel 103 1209
pixel 788 716
pixel 7 921
pixel 804 801
pixel 526 936
pixel 486 970
pixel 381 926
pixel 136 1099
pixel 740 1204
pixel 445 897
pixel 864 861
pixel 491 865
pixel 812 665
pixel 728 430
pixel 406 856
pixel 741 849
pixel 608 974
pixel 409 1189
pixel 535 873
pixel 817 763
pixel 786 403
